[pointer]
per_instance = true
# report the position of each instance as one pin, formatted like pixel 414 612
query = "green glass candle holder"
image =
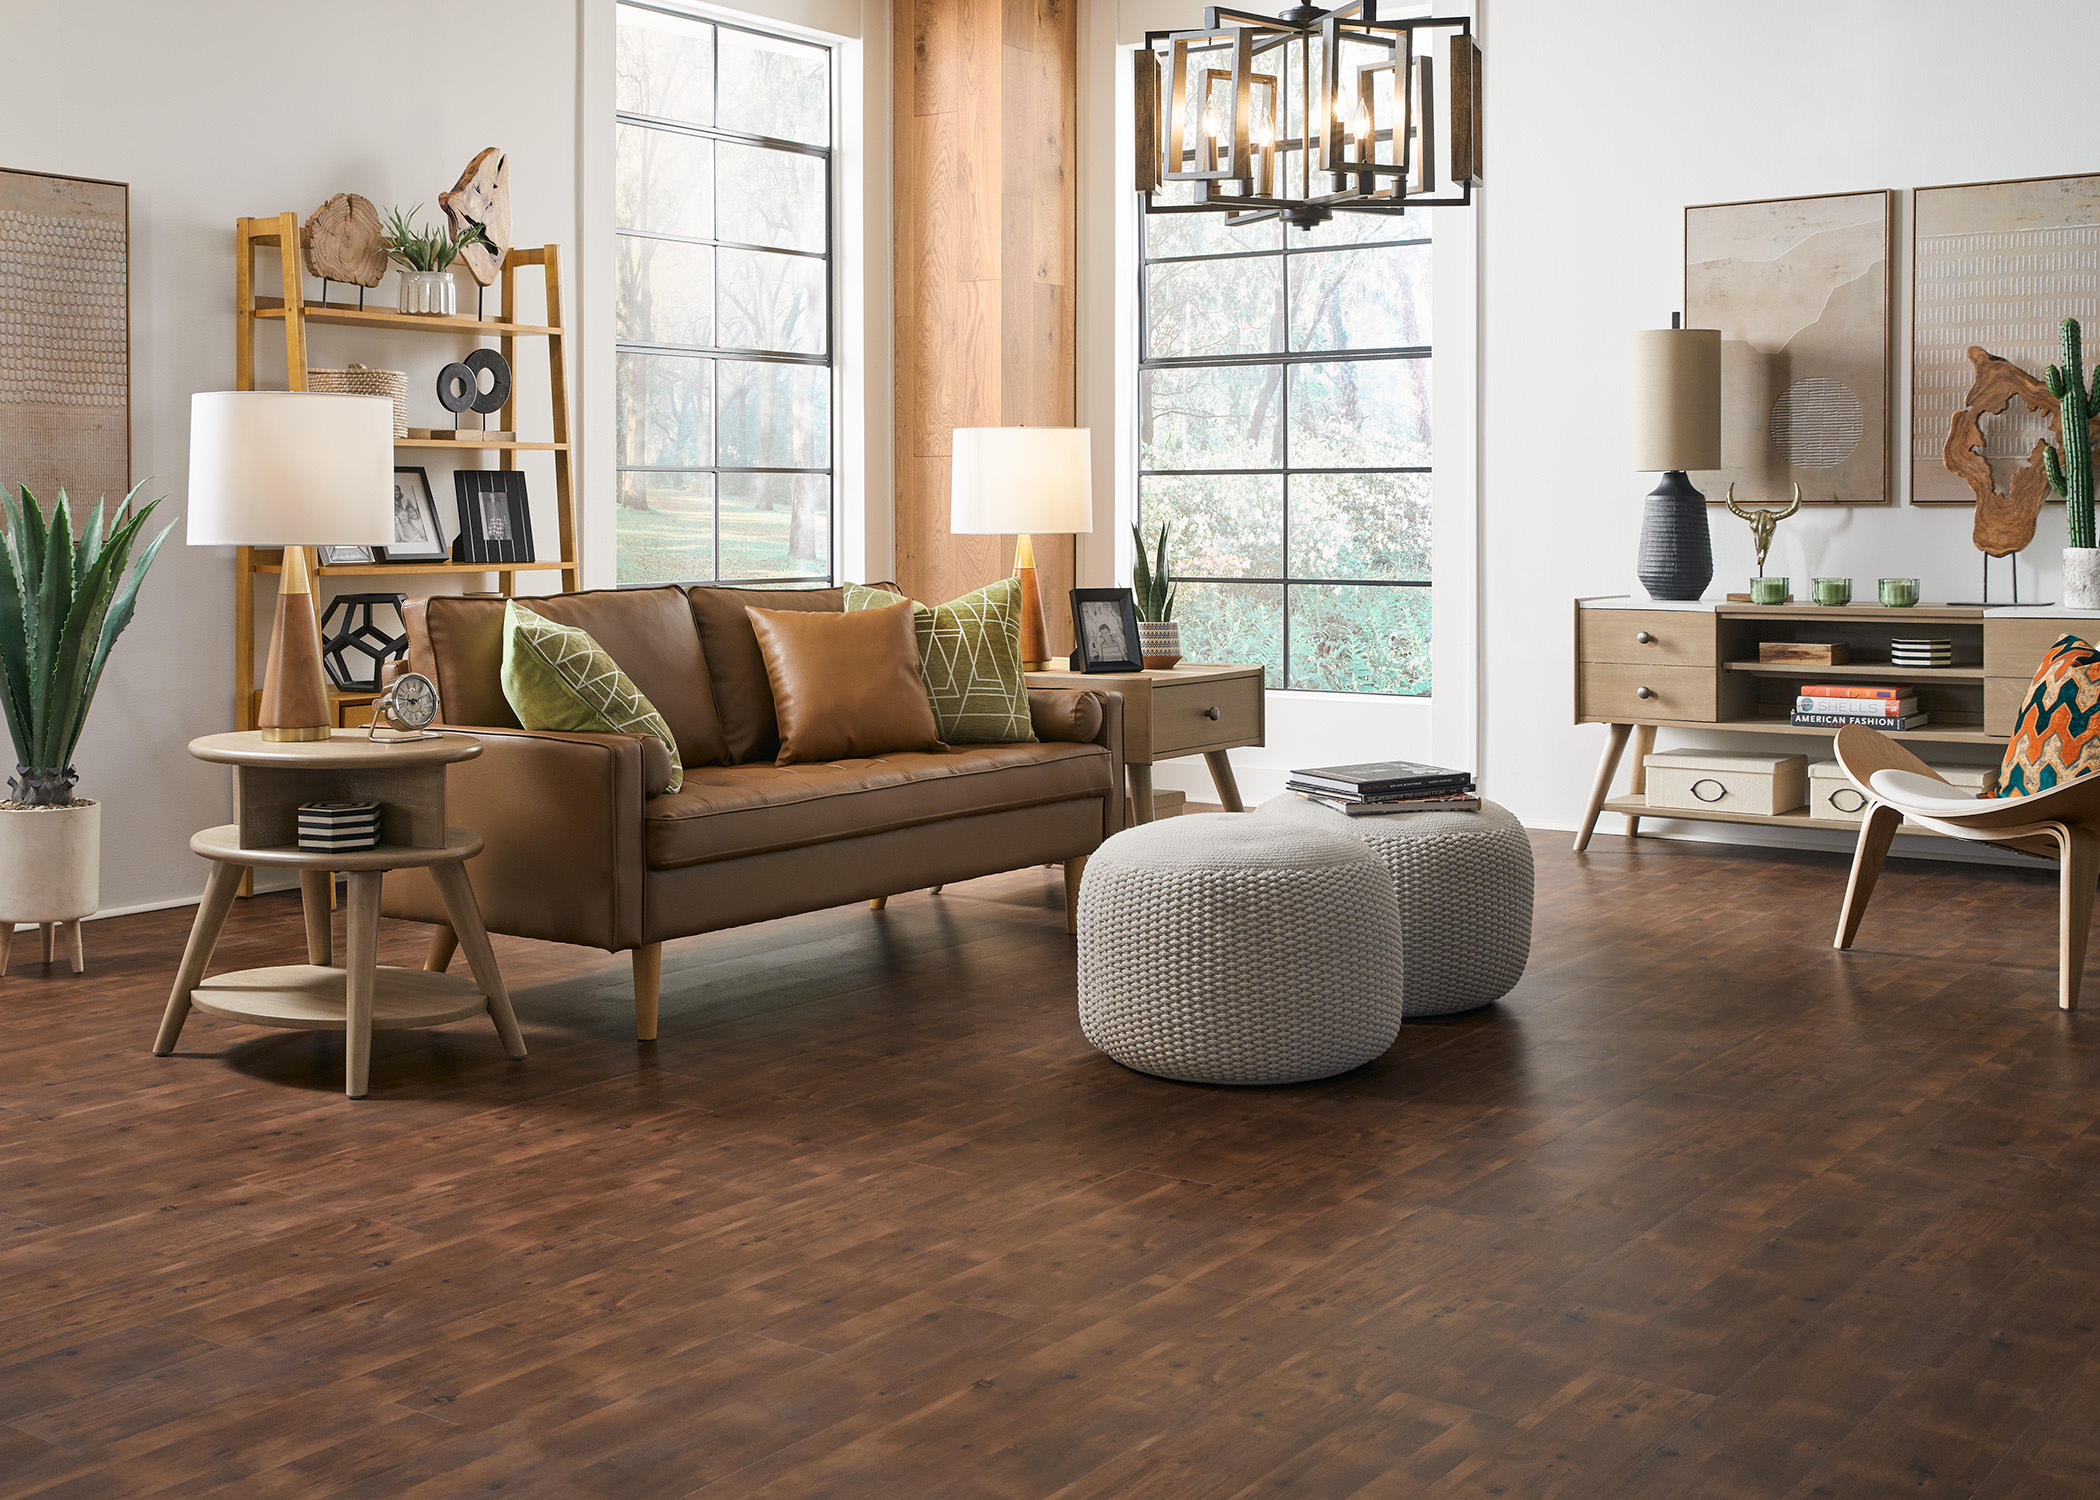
pixel 1899 593
pixel 1833 590
pixel 1770 590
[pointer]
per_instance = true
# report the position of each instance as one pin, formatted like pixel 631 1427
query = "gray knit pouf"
pixel 1464 885
pixel 1223 948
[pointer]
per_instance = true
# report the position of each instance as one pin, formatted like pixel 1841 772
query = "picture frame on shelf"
pixel 419 536
pixel 1105 631
pixel 495 517
pixel 344 557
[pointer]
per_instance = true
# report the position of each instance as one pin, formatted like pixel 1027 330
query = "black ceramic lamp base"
pixel 1677 551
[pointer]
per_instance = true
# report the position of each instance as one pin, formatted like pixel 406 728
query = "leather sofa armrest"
pixel 1063 713
pixel 560 816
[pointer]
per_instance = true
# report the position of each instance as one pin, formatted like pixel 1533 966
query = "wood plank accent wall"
pixel 987 218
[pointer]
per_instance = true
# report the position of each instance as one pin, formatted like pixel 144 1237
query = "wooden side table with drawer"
pixel 1190 709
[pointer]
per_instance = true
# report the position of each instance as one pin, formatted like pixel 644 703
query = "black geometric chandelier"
pixel 1305 113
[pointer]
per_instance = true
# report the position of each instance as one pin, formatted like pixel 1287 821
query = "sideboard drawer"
pixel 2013 648
pixel 1674 637
pixel 1192 715
pixel 1620 693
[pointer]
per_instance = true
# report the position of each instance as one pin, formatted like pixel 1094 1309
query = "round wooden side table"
pixel 271 780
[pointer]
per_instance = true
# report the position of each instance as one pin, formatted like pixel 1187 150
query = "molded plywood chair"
pixel 2062 824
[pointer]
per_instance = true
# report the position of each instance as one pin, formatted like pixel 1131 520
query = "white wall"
pixel 1603 122
pixel 213 109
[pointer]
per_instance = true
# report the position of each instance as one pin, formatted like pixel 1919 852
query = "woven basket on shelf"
pixel 360 381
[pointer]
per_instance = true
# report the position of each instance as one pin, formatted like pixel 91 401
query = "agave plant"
pixel 429 249
pixel 62 606
pixel 1155 591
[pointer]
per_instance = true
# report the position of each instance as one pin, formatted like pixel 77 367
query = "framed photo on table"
pixel 1105 631
pixel 418 534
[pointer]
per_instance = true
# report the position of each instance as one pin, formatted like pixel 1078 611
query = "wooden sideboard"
pixel 1644 665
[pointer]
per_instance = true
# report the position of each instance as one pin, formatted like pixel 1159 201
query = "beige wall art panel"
pixel 1799 288
pixel 1998 265
pixel 65 336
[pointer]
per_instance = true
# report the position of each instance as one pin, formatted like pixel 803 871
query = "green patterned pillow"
pixel 970 653
pixel 557 677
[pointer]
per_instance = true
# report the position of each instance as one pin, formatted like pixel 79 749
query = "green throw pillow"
pixel 557 677
pixel 970 654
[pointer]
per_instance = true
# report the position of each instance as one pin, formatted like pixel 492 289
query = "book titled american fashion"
pixel 1852 690
pixel 1383 806
pixel 1839 721
pixel 1385 776
pixel 1865 709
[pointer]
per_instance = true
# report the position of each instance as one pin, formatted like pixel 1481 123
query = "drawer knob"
pixel 1210 713
pixel 1641 692
pixel 1644 638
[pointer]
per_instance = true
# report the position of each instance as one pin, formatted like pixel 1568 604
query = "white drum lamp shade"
pixel 1676 399
pixel 291 469
pixel 1023 481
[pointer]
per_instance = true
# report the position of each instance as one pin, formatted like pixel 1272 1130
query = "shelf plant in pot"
pixel 1159 634
pixel 2070 468
pixel 425 257
pixel 63 603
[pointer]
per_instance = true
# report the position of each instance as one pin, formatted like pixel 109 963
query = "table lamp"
pixel 1676 426
pixel 1025 481
pixel 291 469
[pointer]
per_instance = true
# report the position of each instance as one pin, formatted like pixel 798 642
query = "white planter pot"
pixel 50 863
pixel 1160 643
pixel 2082 577
pixel 429 292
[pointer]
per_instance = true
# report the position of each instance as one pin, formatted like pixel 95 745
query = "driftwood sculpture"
pixel 341 242
pixel 2004 522
pixel 481 198
pixel 1763 522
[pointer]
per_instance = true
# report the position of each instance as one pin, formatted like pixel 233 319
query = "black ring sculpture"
pixel 498 369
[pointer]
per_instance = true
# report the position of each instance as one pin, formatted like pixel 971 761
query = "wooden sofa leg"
pixel 878 903
pixel 444 942
pixel 1876 832
pixel 648 981
pixel 1075 869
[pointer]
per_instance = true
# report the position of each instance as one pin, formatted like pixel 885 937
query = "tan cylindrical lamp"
pixel 291 469
pixel 1023 482
pixel 1676 391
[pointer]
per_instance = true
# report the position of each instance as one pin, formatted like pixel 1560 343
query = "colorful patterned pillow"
pixel 558 677
pixel 970 652
pixel 2057 736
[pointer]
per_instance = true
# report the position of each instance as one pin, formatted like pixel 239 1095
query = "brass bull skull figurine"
pixel 1763 522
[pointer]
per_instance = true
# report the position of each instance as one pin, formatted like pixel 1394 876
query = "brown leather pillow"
pixel 845 685
pixel 1072 715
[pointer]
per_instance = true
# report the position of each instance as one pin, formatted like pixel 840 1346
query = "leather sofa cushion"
pixel 743 697
pixel 845 685
pixel 649 632
pixel 726 812
pixel 1064 713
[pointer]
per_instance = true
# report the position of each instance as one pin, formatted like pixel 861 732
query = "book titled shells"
pixel 338 827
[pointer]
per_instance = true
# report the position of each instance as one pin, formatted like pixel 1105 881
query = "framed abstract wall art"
pixel 1997 266
pixel 1801 292
pixel 65 335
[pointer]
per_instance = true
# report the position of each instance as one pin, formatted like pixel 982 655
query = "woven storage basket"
pixel 360 381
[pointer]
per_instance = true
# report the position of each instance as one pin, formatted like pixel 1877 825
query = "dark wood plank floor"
pixel 1704 1209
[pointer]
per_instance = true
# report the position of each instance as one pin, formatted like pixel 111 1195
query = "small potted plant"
pixel 425 257
pixel 62 606
pixel 2070 468
pixel 1159 634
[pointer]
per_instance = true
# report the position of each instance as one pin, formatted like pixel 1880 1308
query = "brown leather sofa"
pixel 579 850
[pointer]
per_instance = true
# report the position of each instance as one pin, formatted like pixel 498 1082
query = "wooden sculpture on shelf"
pixel 341 242
pixel 2004 522
pixel 481 199
pixel 1763 522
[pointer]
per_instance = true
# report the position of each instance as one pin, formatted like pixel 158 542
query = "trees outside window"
pixel 1283 433
pixel 724 325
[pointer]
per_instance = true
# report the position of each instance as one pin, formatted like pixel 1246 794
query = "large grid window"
pixel 1283 408
pixel 724 326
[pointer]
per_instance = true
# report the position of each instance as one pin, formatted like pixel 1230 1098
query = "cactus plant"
pixel 2070 465
pixel 1154 590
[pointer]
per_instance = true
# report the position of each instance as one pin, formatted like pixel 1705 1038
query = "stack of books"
pixel 1833 705
pixel 1387 786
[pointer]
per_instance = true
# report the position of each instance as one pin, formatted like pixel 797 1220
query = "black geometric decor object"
pixel 352 636
pixel 1677 551
pixel 497 369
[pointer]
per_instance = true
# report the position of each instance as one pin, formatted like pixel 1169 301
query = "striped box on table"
pixel 338 827
pixel 1921 653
